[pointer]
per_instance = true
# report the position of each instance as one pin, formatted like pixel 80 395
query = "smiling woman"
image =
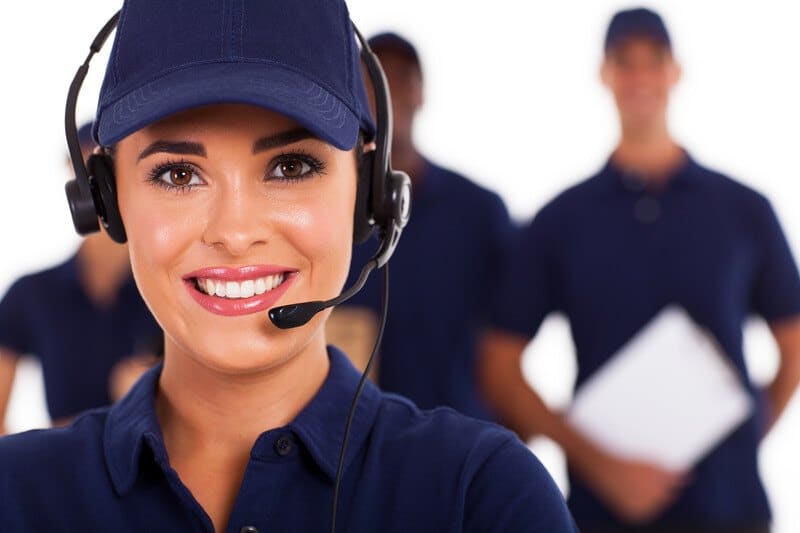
pixel 233 167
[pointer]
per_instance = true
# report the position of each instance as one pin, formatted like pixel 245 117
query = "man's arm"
pixel 780 391
pixel 354 330
pixel 8 369
pixel 635 490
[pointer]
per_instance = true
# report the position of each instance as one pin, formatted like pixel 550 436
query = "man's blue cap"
pixel 639 22
pixel 393 41
pixel 299 59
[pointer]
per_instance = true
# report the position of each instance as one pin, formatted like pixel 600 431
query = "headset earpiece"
pixel 92 195
pixel 104 190
pixel 383 198
pixel 401 198
pixel 81 205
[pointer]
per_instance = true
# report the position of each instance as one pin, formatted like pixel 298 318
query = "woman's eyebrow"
pixel 281 139
pixel 183 148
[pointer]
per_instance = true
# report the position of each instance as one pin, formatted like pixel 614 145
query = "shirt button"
pixel 249 529
pixel 283 446
pixel 647 209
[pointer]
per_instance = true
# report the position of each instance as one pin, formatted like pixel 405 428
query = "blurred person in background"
pixel 441 278
pixel 85 322
pixel 651 229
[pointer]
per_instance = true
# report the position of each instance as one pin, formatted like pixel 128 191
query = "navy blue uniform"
pixel 610 255
pixel 49 315
pixel 441 277
pixel 406 470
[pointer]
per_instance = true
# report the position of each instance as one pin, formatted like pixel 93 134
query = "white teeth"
pixel 245 289
pixel 232 289
pixel 260 286
pixel 248 288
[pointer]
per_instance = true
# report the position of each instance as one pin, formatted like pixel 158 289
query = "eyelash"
pixel 316 167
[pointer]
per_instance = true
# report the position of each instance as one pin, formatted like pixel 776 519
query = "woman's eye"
pixel 180 177
pixel 291 169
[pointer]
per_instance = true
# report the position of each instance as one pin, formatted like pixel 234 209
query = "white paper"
pixel 668 396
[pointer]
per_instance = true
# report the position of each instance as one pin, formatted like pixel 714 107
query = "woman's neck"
pixel 199 405
pixel 210 419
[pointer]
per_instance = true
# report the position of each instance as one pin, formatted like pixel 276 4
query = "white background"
pixel 513 101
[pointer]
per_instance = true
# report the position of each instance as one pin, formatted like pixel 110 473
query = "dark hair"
pixel 394 43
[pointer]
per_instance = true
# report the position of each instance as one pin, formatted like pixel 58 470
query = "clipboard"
pixel 668 396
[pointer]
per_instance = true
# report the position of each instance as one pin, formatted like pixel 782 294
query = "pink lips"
pixel 238 306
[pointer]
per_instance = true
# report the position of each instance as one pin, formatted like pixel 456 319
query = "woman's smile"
pixel 234 291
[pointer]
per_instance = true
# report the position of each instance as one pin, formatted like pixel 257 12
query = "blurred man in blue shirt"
pixel 454 245
pixel 653 228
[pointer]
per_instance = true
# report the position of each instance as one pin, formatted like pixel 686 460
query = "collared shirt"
pixel 440 291
pixel 609 254
pixel 405 470
pixel 50 316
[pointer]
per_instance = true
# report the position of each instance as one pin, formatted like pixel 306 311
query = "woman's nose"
pixel 237 220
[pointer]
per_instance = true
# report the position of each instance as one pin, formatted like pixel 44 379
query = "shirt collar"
pixel 130 421
pixel 320 425
pixel 636 183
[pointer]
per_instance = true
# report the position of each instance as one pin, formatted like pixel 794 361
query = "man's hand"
pixel 127 372
pixel 637 491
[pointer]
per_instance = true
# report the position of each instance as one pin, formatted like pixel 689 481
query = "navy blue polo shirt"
pixel 442 274
pixel 406 470
pixel 49 315
pixel 610 255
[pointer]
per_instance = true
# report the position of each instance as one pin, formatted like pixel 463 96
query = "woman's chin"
pixel 237 353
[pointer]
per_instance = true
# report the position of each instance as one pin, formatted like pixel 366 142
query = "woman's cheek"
pixel 322 231
pixel 158 235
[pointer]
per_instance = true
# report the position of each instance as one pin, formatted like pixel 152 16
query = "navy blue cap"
pixel 393 41
pixel 299 59
pixel 639 22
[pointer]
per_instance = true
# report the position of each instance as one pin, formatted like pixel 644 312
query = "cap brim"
pixel 269 86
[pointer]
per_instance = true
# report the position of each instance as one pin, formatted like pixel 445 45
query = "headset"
pixel 383 203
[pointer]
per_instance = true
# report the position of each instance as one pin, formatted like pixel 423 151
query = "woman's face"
pixel 231 210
